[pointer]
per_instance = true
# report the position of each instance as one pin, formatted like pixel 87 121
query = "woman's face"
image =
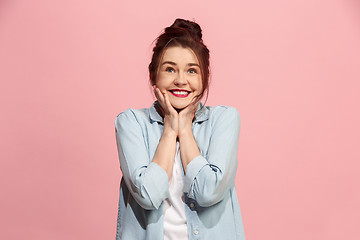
pixel 179 76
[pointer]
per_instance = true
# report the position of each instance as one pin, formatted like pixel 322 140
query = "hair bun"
pixel 192 27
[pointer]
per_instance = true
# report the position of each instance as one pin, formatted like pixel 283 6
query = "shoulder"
pixel 224 113
pixel 223 121
pixel 221 109
pixel 131 117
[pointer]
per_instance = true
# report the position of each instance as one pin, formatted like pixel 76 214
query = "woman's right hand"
pixel 171 116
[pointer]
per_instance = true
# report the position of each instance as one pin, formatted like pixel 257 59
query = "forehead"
pixel 179 55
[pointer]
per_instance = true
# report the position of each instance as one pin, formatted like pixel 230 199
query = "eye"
pixel 192 70
pixel 170 69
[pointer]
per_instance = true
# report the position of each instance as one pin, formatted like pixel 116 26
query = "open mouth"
pixel 180 93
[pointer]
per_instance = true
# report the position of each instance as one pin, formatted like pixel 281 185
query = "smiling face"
pixel 179 76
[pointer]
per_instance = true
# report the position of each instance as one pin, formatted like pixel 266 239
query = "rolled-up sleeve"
pixel 146 180
pixel 208 180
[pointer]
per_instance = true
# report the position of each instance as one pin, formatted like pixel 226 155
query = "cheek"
pixel 160 81
pixel 199 85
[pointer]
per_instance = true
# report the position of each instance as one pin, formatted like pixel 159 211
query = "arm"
pixel 188 146
pixel 147 182
pixel 145 179
pixel 209 180
pixel 165 151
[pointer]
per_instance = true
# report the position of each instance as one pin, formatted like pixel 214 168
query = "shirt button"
pixel 191 205
pixel 196 232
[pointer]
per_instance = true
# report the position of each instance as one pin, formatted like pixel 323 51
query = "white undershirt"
pixel 175 227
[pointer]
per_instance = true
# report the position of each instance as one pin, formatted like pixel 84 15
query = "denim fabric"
pixel 211 203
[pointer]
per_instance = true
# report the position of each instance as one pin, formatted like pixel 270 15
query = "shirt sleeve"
pixel 146 180
pixel 208 180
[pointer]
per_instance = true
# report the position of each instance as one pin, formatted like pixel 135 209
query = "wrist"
pixel 169 132
pixel 185 133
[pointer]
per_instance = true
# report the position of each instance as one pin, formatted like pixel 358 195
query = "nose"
pixel 180 79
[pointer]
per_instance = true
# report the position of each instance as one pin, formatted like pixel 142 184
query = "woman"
pixel 178 157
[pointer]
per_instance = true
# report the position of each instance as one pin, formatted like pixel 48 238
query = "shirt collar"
pixel 201 114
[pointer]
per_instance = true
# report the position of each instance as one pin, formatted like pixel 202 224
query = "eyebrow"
pixel 193 64
pixel 174 64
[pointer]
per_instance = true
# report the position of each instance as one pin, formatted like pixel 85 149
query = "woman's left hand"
pixel 186 117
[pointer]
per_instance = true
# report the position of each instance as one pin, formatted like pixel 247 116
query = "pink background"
pixel 291 68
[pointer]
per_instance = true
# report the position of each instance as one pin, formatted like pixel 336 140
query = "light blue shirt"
pixel 211 204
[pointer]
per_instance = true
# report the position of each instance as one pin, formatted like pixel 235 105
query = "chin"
pixel 179 107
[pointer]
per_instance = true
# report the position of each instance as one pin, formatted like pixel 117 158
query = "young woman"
pixel 178 157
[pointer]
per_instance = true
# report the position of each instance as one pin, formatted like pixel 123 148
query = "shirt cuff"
pixel 192 169
pixel 157 185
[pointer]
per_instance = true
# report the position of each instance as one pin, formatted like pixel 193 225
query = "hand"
pixel 186 117
pixel 170 115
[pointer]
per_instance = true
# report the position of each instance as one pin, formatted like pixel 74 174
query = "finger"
pixel 159 95
pixel 191 108
pixel 168 104
pixel 167 101
pixel 161 99
pixel 155 92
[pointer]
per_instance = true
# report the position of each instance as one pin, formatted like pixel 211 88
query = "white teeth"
pixel 180 92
